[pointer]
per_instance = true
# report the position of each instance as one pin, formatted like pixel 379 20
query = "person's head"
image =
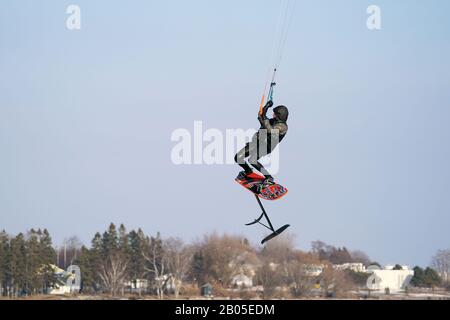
pixel 281 113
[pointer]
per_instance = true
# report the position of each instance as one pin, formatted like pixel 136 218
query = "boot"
pixel 243 175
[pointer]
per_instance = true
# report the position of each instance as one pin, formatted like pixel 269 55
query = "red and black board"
pixel 255 183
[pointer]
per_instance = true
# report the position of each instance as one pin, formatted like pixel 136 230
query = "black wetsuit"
pixel 271 132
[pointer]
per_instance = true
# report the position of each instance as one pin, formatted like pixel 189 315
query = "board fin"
pixel 275 233
pixel 256 220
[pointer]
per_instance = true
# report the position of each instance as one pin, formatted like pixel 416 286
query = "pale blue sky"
pixel 86 118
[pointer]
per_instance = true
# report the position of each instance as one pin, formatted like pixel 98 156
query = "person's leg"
pixel 258 166
pixel 254 160
pixel 239 158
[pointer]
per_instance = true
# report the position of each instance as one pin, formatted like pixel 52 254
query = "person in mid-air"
pixel 271 132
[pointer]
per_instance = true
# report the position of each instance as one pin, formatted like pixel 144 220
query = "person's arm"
pixel 278 128
pixel 262 116
pixel 265 124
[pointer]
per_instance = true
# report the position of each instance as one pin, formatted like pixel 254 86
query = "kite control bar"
pixel 270 94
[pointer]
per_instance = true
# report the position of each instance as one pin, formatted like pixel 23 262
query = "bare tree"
pixel 220 257
pixel 286 267
pixel 156 259
pixel 271 278
pixel 245 263
pixel 113 272
pixel 280 249
pixel 301 273
pixel 441 263
pixel 178 259
pixel 68 252
pixel 335 283
pixel 299 279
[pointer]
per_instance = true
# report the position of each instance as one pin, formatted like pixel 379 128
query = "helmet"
pixel 282 113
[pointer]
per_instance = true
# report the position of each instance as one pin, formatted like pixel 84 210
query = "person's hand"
pixel 269 104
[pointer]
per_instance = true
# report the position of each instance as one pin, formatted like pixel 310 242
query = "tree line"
pixel 119 261
pixel 25 263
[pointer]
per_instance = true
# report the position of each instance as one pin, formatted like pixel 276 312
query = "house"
pixel 206 290
pixel 241 280
pixel 313 270
pixel 356 267
pixel 137 285
pixel 393 280
pixel 67 281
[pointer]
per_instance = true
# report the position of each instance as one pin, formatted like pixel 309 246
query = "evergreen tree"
pixel 110 241
pixel 33 262
pixel 198 268
pixel 18 266
pixel 40 256
pixel 96 244
pixel 427 278
pixel 5 255
pixel 417 279
pixel 432 278
pixel 88 272
pixel 47 259
pixel 96 257
pixel 123 242
pixel 137 262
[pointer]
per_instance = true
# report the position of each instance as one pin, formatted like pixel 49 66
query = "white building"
pixel 61 289
pixel 394 280
pixel 313 270
pixel 357 267
pixel 445 276
pixel 241 280
pixel 67 281
pixel 137 285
